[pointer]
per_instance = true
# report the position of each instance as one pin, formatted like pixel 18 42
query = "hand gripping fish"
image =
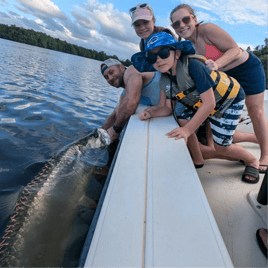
pixel 38 231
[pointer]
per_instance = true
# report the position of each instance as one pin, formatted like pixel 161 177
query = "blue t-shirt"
pixel 200 73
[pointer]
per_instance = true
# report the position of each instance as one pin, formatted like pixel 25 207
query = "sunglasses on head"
pixel 185 20
pixel 163 53
pixel 138 6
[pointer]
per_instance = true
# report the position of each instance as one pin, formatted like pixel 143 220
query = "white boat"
pixel 159 211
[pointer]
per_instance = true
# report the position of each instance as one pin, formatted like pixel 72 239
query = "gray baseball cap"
pixel 109 62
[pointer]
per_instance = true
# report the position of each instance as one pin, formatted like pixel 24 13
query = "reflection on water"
pixel 47 100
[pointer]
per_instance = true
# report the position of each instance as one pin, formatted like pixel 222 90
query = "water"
pixel 47 100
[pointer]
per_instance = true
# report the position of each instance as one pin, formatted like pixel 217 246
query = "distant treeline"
pixel 40 39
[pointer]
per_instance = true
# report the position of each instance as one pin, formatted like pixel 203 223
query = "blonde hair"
pixel 189 8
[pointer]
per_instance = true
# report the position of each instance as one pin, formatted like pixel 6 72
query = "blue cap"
pixel 156 40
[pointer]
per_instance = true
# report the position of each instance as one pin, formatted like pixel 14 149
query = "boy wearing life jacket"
pixel 205 93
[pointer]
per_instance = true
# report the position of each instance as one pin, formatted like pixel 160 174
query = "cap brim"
pixel 144 17
pixel 140 63
pixel 186 47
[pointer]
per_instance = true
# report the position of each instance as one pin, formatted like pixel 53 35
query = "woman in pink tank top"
pixel 223 53
pixel 212 52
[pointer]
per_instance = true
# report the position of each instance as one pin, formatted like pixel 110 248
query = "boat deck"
pixel 148 220
pixel 228 199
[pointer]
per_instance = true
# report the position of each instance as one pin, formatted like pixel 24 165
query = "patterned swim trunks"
pixel 222 128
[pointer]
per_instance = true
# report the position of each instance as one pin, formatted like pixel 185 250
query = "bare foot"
pixel 263 165
pixel 263 168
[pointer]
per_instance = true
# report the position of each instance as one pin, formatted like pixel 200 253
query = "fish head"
pixel 104 137
pixel 100 138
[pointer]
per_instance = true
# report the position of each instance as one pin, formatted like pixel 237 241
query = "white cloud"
pixel 45 7
pixel 235 11
pixel 38 21
pixel 84 21
pixel 4 2
pixel 92 25
pixel 103 28
pixel 110 22
pixel 202 16
pixel 4 15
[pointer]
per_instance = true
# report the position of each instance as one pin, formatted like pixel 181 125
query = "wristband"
pixel 117 129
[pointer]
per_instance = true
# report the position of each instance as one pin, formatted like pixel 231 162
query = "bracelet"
pixel 117 129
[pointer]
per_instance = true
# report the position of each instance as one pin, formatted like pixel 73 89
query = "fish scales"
pixel 40 227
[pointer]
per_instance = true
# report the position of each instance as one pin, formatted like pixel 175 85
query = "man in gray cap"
pixel 138 88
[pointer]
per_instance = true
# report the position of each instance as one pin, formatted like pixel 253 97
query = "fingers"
pixel 144 115
pixel 176 132
pixel 212 65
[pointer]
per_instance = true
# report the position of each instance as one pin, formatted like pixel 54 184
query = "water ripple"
pixel 48 99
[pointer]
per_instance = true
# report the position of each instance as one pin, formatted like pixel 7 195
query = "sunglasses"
pixel 164 53
pixel 138 6
pixel 177 23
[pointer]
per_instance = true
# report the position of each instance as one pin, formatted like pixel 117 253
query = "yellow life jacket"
pixel 225 90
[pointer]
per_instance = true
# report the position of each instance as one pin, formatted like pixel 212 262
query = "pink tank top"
pixel 212 52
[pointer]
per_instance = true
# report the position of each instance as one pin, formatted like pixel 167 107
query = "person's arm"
pixel 163 109
pixel 109 122
pixel 204 84
pixel 216 36
pixel 208 104
pixel 129 103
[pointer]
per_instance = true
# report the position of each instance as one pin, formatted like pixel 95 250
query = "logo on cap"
pixel 152 41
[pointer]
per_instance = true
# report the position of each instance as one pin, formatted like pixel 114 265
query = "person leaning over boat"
pixel 138 88
pixel 203 91
pixel 224 54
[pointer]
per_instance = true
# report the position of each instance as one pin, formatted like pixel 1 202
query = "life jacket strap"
pixel 184 93
pixel 226 86
pixel 199 103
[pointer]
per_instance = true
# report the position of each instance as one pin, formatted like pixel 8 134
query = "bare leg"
pixel 235 151
pixel 210 141
pixel 255 106
pixel 193 146
pixel 240 136
pixel 209 152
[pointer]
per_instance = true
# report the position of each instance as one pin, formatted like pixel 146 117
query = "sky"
pixel 106 25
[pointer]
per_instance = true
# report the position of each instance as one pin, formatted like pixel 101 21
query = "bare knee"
pixel 255 111
pixel 255 105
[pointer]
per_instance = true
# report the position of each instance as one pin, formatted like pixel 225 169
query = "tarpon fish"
pixel 39 228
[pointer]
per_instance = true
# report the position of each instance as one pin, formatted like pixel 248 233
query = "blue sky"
pixel 106 26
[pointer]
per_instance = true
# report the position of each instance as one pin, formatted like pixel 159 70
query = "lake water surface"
pixel 48 100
